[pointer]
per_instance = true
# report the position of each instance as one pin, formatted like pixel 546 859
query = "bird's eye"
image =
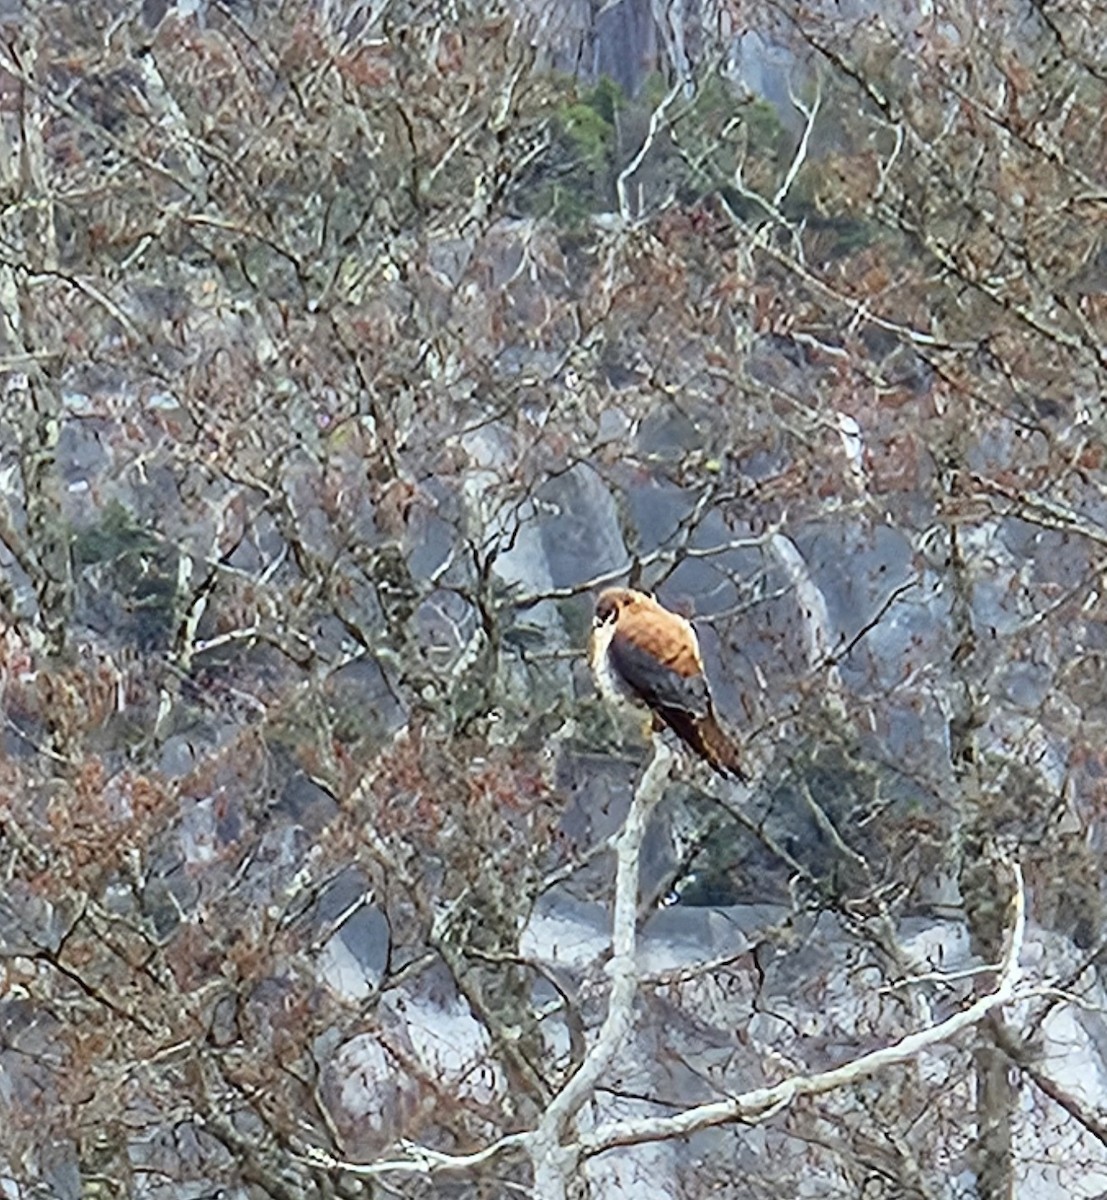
pixel 603 616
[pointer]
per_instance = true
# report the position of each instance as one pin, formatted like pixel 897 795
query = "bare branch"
pixel 657 118
pixel 810 112
pixel 549 1165
pixel 755 1105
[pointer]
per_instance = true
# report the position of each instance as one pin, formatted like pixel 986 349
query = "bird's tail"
pixel 710 741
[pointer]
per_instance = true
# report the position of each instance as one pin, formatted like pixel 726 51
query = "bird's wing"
pixel 659 662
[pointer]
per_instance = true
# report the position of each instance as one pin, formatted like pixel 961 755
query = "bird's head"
pixel 611 602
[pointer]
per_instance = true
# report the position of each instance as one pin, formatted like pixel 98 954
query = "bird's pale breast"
pixel 611 684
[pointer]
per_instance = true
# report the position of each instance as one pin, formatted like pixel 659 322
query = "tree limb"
pixel 755 1105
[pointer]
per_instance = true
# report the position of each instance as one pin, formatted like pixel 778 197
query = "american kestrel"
pixel 643 653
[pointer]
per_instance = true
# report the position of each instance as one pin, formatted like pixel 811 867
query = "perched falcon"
pixel 646 654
